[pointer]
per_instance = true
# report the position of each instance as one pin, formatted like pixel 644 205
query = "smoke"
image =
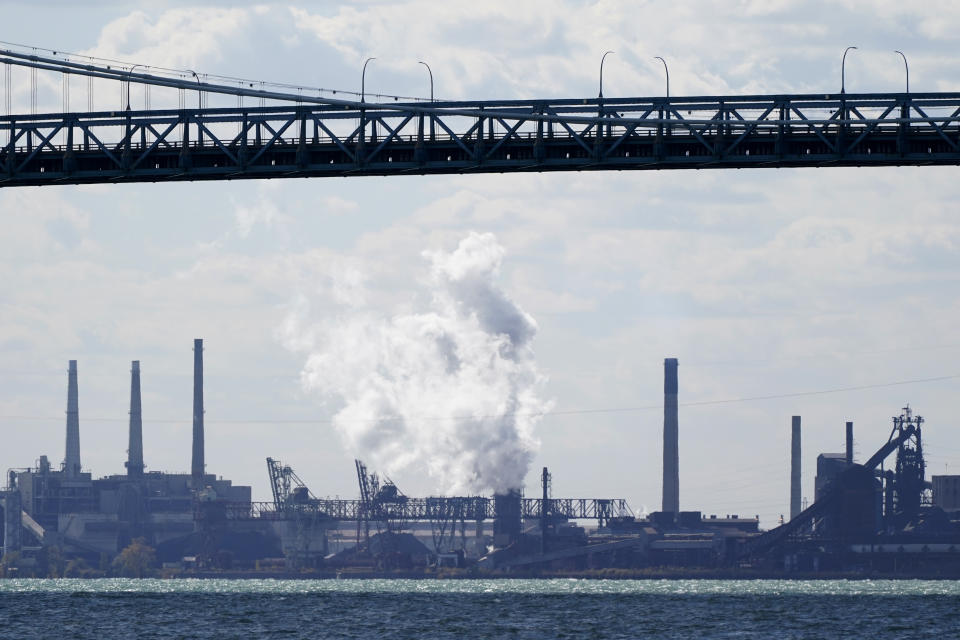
pixel 452 389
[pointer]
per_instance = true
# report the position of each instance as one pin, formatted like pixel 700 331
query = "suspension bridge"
pixel 291 134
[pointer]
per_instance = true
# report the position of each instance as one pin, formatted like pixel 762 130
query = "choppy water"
pixel 121 608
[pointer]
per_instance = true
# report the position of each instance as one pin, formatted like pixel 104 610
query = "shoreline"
pixel 599 574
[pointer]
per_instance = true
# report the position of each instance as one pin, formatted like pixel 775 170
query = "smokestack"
pixel 671 453
pixel 507 517
pixel 135 441
pixel 849 443
pixel 71 462
pixel 795 469
pixel 197 465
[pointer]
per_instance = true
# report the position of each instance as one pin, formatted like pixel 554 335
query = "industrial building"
pixel 864 516
pixel 870 516
pixel 66 507
pixel 202 516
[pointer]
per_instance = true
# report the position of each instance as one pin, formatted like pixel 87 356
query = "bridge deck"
pixel 480 137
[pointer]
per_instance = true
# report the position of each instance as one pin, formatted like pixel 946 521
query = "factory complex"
pixel 882 516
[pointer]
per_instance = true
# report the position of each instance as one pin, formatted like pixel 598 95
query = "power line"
pixel 817 356
pixel 823 391
pixel 566 412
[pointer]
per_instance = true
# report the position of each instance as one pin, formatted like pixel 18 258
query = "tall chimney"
pixel 507 518
pixel 197 465
pixel 71 462
pixel 671 453
pixel 135 441
pixel 849 443
pixel 795 469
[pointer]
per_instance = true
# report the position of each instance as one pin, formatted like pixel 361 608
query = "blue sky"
pixel 761 282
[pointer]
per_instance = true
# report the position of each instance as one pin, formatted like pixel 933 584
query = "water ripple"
pixel 559 586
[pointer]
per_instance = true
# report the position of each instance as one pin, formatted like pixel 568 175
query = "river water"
pixel 471 609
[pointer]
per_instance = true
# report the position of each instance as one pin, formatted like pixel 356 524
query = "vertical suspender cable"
pixel 8 88
pixel 65 82
pixel 124 85
pixel 299 104
pixel 89 93
pixel 8 95
pixel 201 104
pixel 146 107
pixel 182 102
pixel 33 90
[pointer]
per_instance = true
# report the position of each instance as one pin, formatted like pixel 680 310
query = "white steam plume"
pixel 453 389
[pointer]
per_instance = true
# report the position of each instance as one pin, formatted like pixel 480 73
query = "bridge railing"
pixel 475 120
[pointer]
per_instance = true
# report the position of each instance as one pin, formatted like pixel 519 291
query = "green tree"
pixel 138 560
pixel 77 568
pixel 51 562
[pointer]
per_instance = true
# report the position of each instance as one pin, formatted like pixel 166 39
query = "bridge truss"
pixel 384 507
pixel 468 508
pixel 317 137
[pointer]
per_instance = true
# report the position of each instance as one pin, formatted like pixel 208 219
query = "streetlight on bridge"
pixel 199 89
pixel 430 71
pixel 907 67
pixel 667 71
pixel 363 79
pixel 432 129
pixel 129 76
pixel 843 68
pixel 601 71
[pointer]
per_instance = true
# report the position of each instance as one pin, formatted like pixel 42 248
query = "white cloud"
pixel 262 212
pixel 337 205
pixel 40 222
pixel 176 38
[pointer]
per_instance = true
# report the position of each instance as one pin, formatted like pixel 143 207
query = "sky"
pixel 761 282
